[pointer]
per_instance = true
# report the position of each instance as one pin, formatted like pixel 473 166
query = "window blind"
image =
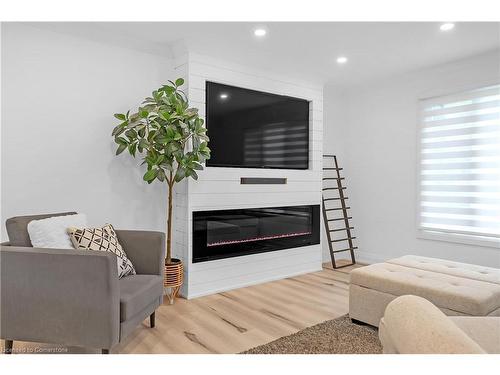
pixel 460 163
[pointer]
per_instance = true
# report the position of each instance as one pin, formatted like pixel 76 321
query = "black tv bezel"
pixel 207 163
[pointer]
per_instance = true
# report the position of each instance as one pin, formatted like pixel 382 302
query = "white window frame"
pixel 426 234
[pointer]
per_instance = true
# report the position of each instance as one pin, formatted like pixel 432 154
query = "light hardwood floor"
pixel 240 319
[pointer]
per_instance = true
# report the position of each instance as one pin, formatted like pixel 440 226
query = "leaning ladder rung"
pixel 340 218
pixel 334 188
pixel 333 169
pixel 348 249
pixel 344 239
pixel 335 199
pixel 334 178
pixel 341 229
pixel 336 209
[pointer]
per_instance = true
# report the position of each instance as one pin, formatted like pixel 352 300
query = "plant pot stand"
pixel 174 277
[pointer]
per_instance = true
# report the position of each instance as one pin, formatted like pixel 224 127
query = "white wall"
pixel 334 121
pixel 334 127
pixel 59 94
pixel 379 137
pixel 220 188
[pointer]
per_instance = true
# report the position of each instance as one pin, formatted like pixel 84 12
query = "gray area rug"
pixel 337 336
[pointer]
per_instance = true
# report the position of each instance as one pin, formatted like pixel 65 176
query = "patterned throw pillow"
pixel 102 239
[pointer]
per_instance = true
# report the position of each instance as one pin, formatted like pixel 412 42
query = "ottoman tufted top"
pixel 463 295
pixel 468 271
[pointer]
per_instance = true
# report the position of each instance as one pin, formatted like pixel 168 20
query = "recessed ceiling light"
pixel 223 96
pixel 447 26
pixel 341 60
pixel 260 32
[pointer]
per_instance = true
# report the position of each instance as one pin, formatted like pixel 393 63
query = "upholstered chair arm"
pixel 146 250
pixel 413 325
pixel 59 296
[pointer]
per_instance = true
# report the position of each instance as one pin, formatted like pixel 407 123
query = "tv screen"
pixel 255 129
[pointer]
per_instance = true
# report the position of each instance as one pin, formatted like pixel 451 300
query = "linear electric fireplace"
pixel 230 233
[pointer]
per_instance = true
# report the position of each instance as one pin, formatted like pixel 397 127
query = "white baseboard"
pixel 370 258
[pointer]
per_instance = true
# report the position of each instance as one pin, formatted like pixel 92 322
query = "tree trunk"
pixel 169 220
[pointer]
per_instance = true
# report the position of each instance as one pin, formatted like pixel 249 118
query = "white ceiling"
pixel 304 50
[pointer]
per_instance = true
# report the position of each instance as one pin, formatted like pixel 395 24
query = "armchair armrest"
pixel 413 325
pixel 59 296
pixel 145 249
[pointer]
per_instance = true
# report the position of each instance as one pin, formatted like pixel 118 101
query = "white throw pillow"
pixel 52 232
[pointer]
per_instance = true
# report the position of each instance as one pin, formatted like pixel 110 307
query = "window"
pixel 459 196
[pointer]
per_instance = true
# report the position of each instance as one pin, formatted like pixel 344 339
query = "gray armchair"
pixel 74 297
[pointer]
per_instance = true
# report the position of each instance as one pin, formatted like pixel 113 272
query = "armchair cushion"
pixel 413 325
pixel 146 250
pixel 138 291
pixel 17 227
pixel 484 330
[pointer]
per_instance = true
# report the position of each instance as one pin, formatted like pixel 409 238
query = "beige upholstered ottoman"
pixel 456 288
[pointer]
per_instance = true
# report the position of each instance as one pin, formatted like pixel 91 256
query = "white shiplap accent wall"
pixel 219 188
pixel 181 196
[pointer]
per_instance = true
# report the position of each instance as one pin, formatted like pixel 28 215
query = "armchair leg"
pixel 105 351
pixel 8 346
pixel 152 319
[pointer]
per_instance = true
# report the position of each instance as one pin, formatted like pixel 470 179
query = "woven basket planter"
pixel 174 277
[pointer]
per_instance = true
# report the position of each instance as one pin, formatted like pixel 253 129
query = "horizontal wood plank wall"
pixel 220 188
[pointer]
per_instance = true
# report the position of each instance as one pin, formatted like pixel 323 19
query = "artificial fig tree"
pixel 170 137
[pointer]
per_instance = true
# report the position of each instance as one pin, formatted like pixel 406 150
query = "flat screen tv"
pixel 253 129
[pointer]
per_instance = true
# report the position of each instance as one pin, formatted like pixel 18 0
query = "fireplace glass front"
pixel 229 233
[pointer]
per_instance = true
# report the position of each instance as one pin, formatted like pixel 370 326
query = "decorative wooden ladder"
pixel 345 228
